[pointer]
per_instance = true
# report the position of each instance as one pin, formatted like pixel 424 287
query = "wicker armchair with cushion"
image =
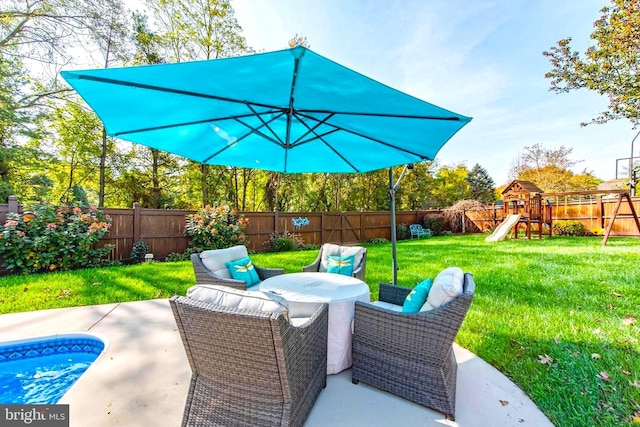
pixel 321 264
pixel 250 365
pixel 411 354
pixel 211 267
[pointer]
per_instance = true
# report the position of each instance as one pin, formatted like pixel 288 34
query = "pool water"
pixel 41 371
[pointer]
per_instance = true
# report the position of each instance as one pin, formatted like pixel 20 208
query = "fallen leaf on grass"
pixel 504 402
pixel 597 331
pixel 595 356
pixel 635 384
pixel 64 293
pixel 545 360
pixel 629 320
pixel 624 371
pixel 615 294
pixel 611 307
pixel 96 284
pixel 604 376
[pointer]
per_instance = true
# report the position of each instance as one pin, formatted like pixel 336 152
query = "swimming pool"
pixel 41 370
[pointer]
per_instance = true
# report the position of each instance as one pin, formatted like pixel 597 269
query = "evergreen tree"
pixel 482 186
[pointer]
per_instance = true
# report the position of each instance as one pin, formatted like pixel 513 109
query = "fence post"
pixel 600 212
pixel 13 204
pixel 137 221
pixel 275 221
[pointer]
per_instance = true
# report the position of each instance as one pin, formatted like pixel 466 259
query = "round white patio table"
pixel 306 291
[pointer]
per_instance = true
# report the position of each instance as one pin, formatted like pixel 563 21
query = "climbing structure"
pixel 525 199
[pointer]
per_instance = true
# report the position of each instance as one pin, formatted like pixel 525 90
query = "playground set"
pixel 524 206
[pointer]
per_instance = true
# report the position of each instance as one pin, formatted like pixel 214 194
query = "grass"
pixel 567 301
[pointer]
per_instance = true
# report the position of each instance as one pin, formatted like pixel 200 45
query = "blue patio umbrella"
pixel 290 111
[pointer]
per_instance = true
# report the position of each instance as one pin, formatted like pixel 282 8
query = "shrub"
pixel 402 232
pixel 174 257
pixel 378 240
pixel 309 247
pixel 49 238
pixel 568 228
pixel 139 250
pixel 283 242
pixel 215 228
pixel 435 224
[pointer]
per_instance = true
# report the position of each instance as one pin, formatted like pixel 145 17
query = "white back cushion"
pixel 329 249
pixel 235 298
pixel 446 286
pixel 215 259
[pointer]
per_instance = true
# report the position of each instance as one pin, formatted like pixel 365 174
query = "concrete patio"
pixel 143 376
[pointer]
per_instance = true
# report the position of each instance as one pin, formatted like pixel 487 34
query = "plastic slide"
pixel 503 228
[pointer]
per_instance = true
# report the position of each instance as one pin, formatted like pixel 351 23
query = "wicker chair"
pixel 218 274
pixel 250 368
pixel 410 355
pixel 320 264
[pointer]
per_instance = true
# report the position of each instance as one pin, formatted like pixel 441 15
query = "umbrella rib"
pixel 174 125
pixel 259 116
pixel 321 138
pixel 175 91
pixel 251 130
pixel 395 116
pixel 379 141
pixel 312 129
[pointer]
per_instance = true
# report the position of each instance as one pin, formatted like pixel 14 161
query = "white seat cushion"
pixel 216 260
pixel 329 249
pixel 388 306
pixel 235 298
pixel 446 286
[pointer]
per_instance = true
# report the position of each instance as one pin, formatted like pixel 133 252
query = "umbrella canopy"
pixel 290 111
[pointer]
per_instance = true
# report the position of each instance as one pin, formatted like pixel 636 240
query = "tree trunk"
pixel 103 163
pixel 155 179
pixel 205 185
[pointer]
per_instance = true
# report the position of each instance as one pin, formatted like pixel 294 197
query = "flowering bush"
pixel 284 242
pixel 215 228
pixel 568 228
pixel 49 239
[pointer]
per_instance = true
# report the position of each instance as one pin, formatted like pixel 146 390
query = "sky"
pixel 478 58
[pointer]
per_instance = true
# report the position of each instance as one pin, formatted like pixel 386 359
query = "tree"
pixel 449 186
pixel 298 41
pixel 198 29
pixel 609 67
pixel 77 137
pixel 549 170
pixel 481 185
pixel 108 29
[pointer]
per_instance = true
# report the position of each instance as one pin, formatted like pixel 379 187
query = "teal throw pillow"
pixel 417 297
pixel 340 264
pixel 243 269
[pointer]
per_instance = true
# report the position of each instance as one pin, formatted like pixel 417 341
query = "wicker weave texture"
pixel 410 355
pixel 206 277
pixel 358 273
pixel 250 368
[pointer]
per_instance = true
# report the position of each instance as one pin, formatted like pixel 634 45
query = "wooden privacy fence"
pixel 593 212
pixel 162 229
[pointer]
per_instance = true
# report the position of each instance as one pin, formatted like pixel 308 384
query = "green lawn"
pixel 567 301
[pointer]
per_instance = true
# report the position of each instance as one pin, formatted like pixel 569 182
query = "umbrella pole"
pixel 392 197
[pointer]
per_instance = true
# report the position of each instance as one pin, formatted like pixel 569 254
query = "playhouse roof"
pixel 522 186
